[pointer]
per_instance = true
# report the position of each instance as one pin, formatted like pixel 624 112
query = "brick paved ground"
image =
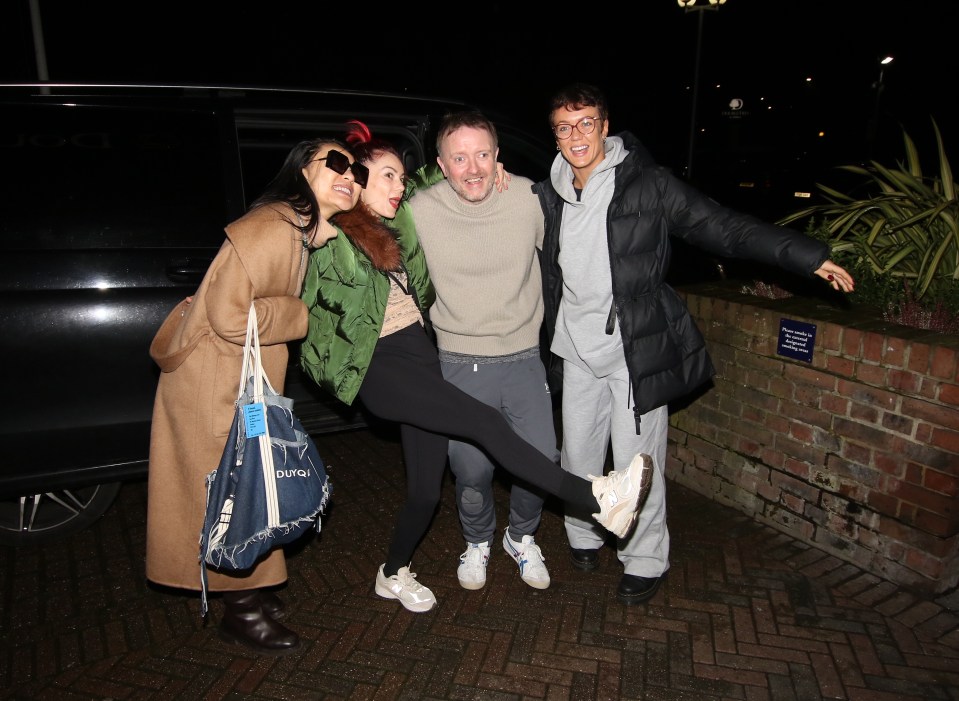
pixel 745 614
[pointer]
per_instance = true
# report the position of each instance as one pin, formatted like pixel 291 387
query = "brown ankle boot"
pixel 272 604
pixel 245 622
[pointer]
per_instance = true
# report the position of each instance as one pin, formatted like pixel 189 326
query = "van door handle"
pixel 188 269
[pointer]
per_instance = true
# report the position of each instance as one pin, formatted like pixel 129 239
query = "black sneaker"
pixel 585 559
pixel 638 590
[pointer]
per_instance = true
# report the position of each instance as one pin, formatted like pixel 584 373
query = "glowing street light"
pixel 691 6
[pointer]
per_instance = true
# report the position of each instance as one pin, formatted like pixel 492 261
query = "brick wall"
pixel 855 452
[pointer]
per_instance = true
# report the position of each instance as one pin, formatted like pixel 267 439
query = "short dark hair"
pixel 467 118
pixel 576 96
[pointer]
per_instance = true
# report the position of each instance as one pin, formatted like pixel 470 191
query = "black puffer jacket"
pixel 665 352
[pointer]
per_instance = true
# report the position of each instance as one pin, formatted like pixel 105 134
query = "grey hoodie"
pixel 581 336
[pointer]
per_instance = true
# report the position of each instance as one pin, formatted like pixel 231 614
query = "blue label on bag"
pixel 255 419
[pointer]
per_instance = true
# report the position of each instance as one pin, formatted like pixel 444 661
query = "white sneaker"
pixel 472 569
pixel 621 494
pixel 530 560
pixel 404 587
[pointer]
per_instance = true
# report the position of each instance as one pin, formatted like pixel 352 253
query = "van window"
pixel 90 177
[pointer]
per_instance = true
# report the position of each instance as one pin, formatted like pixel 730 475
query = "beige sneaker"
pixel 404 587
pixel 621 493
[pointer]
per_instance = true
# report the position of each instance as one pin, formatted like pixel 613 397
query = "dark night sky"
pixel 642 56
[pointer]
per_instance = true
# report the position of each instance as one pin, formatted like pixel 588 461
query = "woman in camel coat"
pixel 199 350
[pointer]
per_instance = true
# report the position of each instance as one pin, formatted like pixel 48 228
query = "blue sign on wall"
pixel 796 339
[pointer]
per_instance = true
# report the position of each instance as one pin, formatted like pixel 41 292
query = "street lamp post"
pixel 874 125
pixel 691 6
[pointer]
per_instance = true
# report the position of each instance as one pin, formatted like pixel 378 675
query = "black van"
pixel 114 204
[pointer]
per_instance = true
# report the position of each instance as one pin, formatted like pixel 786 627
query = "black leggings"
pixel 404 384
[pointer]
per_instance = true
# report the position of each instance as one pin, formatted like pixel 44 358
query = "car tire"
pixel 33 519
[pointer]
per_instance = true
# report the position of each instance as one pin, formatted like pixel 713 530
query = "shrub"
pixel 900 240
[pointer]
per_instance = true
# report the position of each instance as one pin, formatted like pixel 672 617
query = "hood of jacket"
pixel 561 172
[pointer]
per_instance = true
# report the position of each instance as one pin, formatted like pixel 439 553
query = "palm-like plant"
pixel 908 228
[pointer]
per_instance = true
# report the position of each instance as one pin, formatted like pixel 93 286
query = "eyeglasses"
pixel 585 127
pixel 339 163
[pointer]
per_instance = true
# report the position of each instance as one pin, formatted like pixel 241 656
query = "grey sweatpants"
pixel 595 410
pixel 517 389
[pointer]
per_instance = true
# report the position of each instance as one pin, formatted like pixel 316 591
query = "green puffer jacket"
pixel 346 289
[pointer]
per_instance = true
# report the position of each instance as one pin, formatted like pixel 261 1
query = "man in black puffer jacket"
pixel 624 340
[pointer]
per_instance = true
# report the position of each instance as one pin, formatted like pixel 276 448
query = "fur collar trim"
pixel 376 240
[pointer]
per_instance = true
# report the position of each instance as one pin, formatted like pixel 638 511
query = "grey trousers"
pixel 595 410
pixel 518 390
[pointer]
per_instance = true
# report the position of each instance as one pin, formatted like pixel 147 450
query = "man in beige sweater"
pixel 481 247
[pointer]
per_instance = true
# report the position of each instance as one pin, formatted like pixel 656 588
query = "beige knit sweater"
pixel 483 262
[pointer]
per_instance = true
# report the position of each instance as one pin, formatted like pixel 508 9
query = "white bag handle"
pixel 252 362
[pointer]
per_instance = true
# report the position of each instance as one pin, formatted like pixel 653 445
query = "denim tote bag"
pixel 271 484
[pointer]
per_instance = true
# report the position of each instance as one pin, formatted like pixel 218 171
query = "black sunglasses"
pixel 339 163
